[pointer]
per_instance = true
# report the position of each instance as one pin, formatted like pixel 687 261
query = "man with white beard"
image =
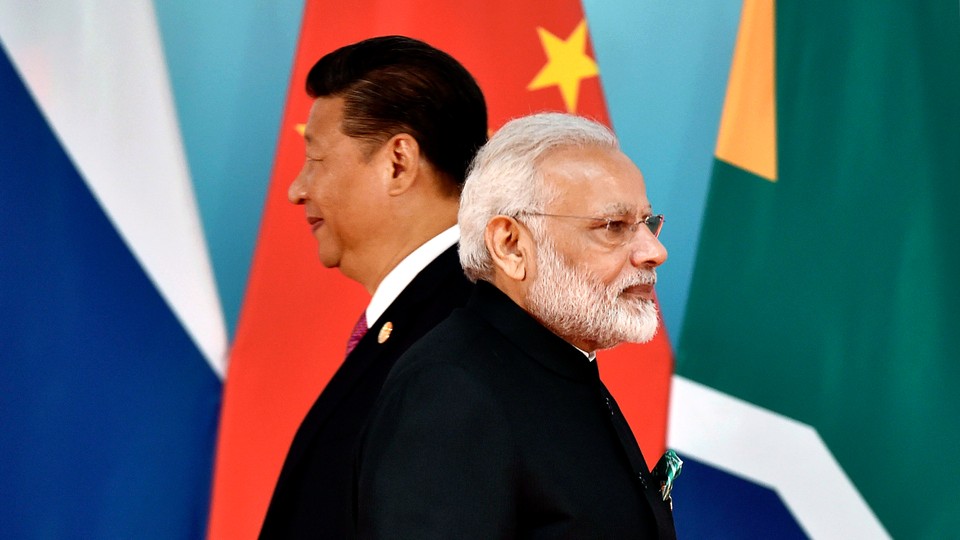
pixel 496 423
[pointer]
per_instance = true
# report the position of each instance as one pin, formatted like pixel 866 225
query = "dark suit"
pixel 312 496
pixel 493 427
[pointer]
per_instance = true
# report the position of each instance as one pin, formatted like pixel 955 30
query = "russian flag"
pixel 111 333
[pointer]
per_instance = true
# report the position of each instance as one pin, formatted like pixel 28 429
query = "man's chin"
pixel 328 260
pixel 638 338
pixel 647 336
pixel 645 324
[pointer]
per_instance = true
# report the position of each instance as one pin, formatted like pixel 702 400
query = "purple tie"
pixel 358 331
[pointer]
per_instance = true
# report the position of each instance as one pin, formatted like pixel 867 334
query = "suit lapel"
pixel 368 352
pixel 651 490
pixel 352 368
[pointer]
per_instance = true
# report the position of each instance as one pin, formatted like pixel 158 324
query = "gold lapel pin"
pixel 385 332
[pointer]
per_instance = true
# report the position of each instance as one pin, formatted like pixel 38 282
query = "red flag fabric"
pixel 297 316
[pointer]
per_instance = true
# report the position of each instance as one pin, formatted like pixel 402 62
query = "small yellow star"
pixel 301 129
pixel 567 64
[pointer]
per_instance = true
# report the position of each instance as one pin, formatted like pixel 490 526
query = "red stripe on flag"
pixel 297 315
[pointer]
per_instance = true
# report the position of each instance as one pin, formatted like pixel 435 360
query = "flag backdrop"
pixel 111 333
pixel 821 331
pixel 809 303
pixel 296 315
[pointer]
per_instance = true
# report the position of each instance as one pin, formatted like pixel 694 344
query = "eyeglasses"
pixel 615 231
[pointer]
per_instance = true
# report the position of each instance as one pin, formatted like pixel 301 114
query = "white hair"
pixel 504 178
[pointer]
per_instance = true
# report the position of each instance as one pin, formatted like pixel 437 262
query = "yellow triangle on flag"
pixel 748 125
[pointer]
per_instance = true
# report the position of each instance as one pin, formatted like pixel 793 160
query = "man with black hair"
pixel 393 127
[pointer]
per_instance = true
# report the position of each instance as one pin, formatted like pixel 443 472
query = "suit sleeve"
pixel 437 460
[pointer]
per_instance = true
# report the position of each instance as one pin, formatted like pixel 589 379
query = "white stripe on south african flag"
pixel 787 456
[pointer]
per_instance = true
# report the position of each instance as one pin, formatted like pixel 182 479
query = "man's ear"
pixel 403 153
pixel 508 243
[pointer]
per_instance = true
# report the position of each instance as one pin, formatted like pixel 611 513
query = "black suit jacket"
pixel 490 427
pixel 312 496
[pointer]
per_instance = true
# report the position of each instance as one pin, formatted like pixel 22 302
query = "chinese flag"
pixel 527 57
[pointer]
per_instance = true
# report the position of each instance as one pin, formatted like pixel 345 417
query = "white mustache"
pixel 644 277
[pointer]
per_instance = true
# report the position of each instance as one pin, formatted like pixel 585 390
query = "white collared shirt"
pixel 397 280
pixel 591 356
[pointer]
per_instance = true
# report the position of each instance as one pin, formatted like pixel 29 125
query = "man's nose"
pixel 297 192
pixel 646 251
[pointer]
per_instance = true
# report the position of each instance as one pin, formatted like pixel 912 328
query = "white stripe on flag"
pixel 773 450
pixel 98 73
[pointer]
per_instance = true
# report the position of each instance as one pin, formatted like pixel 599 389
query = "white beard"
pixel 575 305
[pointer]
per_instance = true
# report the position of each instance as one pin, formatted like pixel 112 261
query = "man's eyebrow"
pixel 616 209
pixel 624 208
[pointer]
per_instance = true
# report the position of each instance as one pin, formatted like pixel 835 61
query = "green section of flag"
pixel 833 295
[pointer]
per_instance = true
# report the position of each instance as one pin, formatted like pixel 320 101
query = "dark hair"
pixel 396 84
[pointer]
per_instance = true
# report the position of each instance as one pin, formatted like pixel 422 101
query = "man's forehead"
pixel 576 162
pixel 603 179
pixel 325 113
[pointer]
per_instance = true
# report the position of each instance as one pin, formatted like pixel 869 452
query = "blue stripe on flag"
pixel 109 409
pixel 711 503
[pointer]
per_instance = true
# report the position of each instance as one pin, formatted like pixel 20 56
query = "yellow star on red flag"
pixel 567 64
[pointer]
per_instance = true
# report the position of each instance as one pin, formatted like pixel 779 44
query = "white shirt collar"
pixel 402 274
pixel 591 356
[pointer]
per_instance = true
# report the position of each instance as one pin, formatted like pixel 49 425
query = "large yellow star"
pixel 567 64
